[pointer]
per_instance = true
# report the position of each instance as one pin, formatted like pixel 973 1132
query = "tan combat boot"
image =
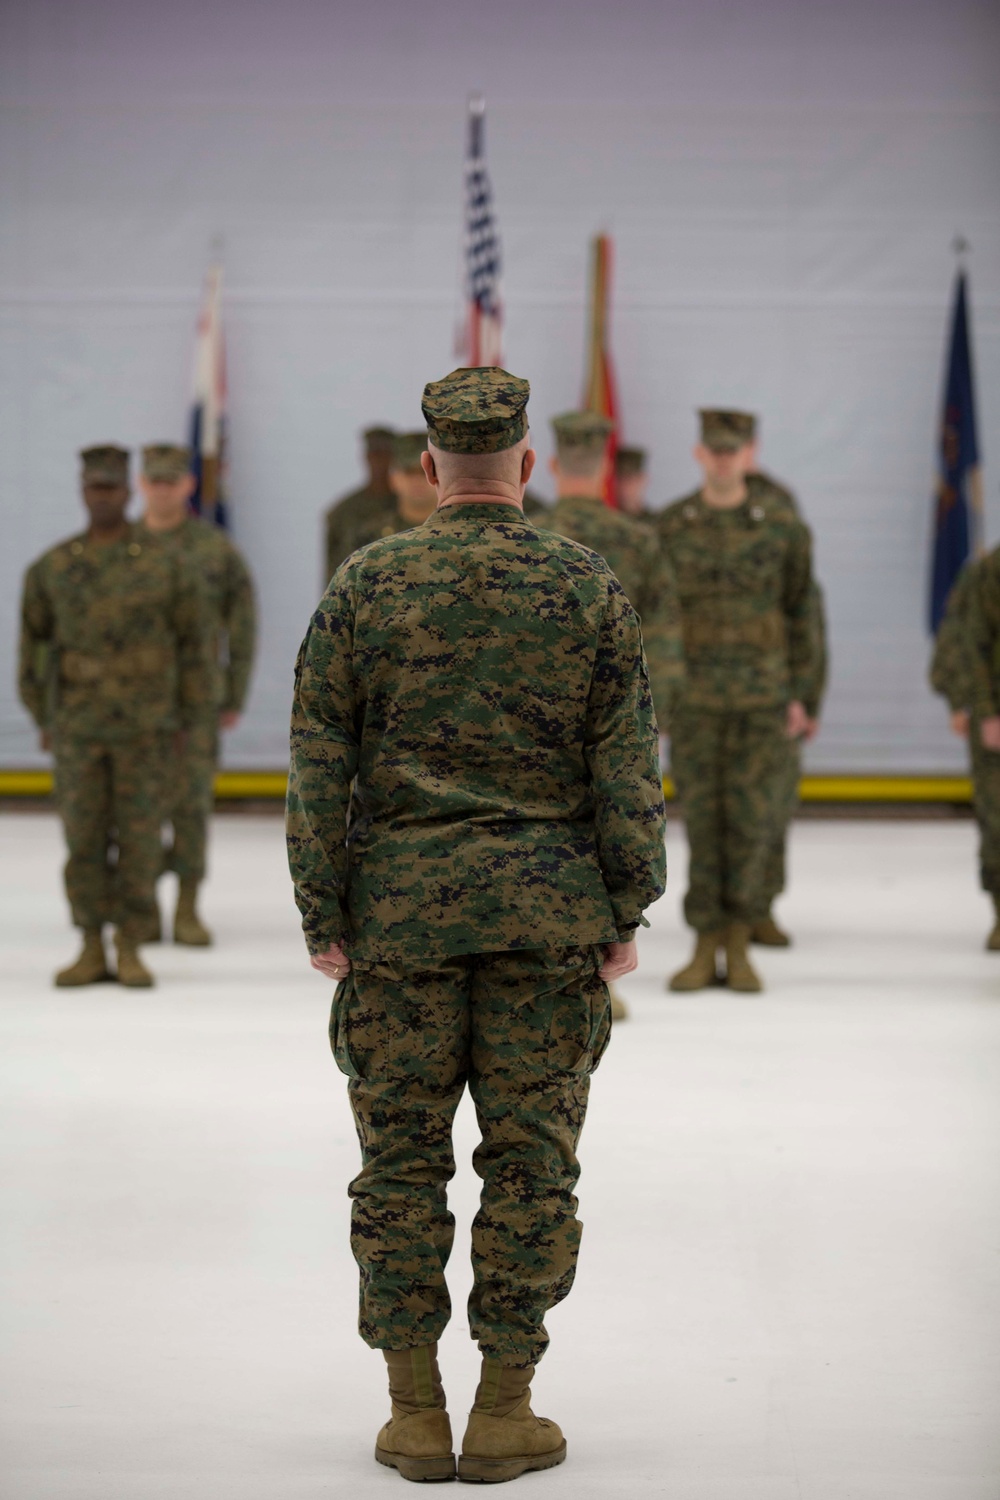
pixel 992 942
pixel 416 1440
pixel 188 926
pixel 132 972
pixel 90 968
pixel 767 934
pixel 504 1438
pixel 151 929
pixel 619 1010
pixel 740 972
pixel 701 971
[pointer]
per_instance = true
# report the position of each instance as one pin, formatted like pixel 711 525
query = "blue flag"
pixel 958 507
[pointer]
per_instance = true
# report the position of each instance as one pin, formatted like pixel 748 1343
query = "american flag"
pixel 208 409
pixel 479 341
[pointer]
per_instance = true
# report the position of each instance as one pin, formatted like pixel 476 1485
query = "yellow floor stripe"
pixel 234 785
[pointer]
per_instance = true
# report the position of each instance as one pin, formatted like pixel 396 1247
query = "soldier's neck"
pixel 725 498
pixel 485 492
pixel 169 522
pixel 572 487
pixel 103 536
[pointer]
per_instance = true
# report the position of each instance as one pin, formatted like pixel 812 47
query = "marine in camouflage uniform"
pixel 762 487
pixel 630 548
pixel 112 665
pixel 966 671
pixel 474 811
pixel 358 518
pixel 231 627
pixel 744 575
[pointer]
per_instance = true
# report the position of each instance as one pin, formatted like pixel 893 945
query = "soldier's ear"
pixel 528 459
pixel 427 464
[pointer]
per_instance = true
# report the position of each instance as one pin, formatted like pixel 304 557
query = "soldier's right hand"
pixel 334 963
pixel 960 723
pixel 989 732
pixel 619 959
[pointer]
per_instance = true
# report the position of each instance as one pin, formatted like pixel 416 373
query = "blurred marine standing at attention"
pixel 762 489
pixel 231 628
pixel 358 518
pixel 966 671
pixel 113 665
pixel 744 574
pixel 475 827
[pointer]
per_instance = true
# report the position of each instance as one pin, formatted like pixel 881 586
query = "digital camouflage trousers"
pixel 190 800
pixel 731 771
pixel 524 1030
pixel 986 803
pixel 111 798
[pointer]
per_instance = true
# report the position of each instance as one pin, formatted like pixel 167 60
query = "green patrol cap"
pixel 630 461
pixel 480 410
pixel 407 448
pixel 725 431
pixel 378 439
pixel 105 464
pixel 165 463
pixel 581 435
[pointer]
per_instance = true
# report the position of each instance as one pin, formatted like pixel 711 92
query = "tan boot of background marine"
pixel 701 971
pixel 188 926
pixel 992 942
pixel 416 1440
pixel 132 972
pixel 740 972
pixel 619 1010
pixel 90 968
pixel 767 934
pixel 504 1438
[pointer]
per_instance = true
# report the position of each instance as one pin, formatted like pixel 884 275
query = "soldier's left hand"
pixel 334 963
pixel 797 723
pixel 229 718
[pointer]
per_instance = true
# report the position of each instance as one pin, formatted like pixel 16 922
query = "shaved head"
pixel 504 466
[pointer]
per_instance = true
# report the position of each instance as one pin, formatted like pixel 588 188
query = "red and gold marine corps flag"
pixel 599 393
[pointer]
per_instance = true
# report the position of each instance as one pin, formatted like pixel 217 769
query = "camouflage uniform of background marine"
pixel 744 577
pixel 632 552
pixel 762 488
pixel 231 627
pixel 471 701
pixel 112 664
pixel 966 671
pixel 363 515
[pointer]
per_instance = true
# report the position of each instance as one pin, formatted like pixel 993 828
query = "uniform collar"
pixel 476 514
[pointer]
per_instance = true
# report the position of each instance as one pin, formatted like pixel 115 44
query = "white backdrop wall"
pixel 782 181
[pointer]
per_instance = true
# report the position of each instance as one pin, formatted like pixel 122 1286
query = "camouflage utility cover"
pixel 165 463
pixel 632 551
pixel 114 639
pixel 378 439
pixel 480 410
pixel 407 448
pixel 582 434
pixel 473 750
pixel 105 463
pixel 744 577
pixel 725 431
pixel 229 600
pixel 630 460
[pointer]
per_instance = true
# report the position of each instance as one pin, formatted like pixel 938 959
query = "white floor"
pixel 790 1280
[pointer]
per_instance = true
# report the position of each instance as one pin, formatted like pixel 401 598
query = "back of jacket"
pixel 482 686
